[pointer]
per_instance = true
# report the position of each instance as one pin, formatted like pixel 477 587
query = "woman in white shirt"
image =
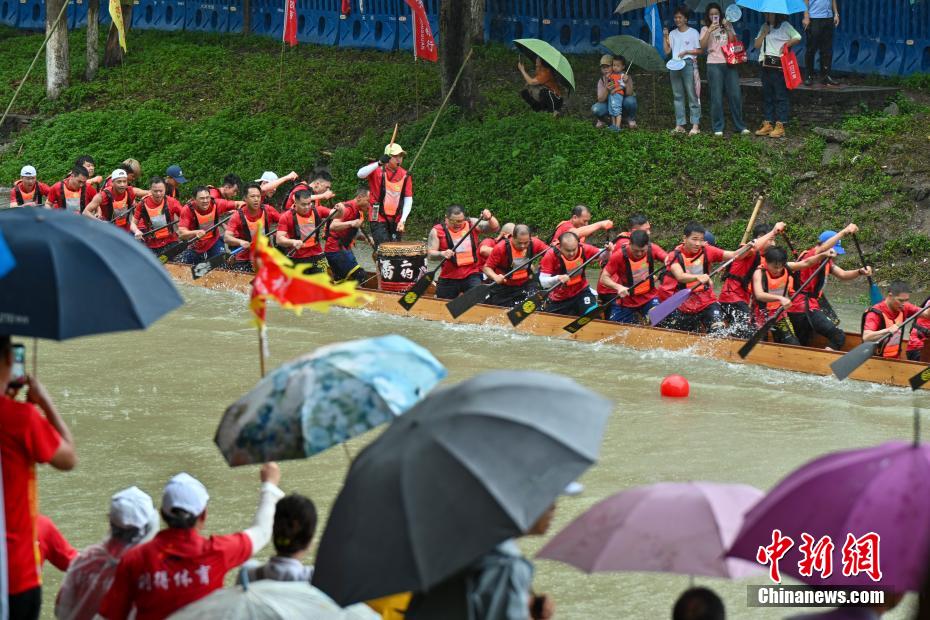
pixel 721 76
pixel 684 43
pixel 775 36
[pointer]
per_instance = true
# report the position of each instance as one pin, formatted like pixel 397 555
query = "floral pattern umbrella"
pixel 325 398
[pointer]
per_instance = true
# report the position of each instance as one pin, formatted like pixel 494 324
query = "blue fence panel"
pixel 9 12
pixel 147 14
pixel 205 16
pixel 31 15
pixel 77 14
pixel 234 16
pixel 318 21
pixel 268 18
pixel 506 20
pixel 577 26
pixel 405 23
pixel 375 28
pixel 103 16
pixel 917 44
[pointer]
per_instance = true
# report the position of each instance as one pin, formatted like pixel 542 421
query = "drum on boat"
pixel 400 264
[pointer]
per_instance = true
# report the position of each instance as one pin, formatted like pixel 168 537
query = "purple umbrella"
pixel 669 527
pixel 884 489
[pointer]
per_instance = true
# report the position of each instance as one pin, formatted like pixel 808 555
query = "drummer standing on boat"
pixel 460 271
pixel 390 190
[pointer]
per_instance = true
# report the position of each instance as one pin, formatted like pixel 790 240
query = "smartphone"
pixel 18 376
pixel 716 19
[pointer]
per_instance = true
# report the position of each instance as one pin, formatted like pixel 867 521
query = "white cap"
pixel 573 488
pixel 185 492
pixel 267 177
pixel 119 173
pixel 28 171
pixel 133 508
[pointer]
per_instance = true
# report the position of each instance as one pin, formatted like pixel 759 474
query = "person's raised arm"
pixel 366 170
pixel 760 38
pixel 849 274
pixel 666 43
pixel 811 261
pixel 65 457
pixel 590 229
pixel 526 76
pixel 488 224
pixel 272 186
pixel 260 531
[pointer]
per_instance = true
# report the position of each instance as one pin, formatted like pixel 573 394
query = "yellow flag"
pixel 116 14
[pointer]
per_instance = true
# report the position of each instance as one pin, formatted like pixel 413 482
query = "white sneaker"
pixel 745 132
pixel 719 134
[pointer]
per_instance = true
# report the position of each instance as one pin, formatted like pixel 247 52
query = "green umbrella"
pixel 636 51
pixel 550 56
pixel 631 5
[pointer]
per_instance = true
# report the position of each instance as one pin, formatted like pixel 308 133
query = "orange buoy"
pixel 675 386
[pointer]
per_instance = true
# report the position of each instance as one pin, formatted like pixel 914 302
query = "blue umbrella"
pixel 7 262
pixel 785 7
pixel 324 398
pixel 75 276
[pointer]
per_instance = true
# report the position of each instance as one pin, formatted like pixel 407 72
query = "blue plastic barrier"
pixel 205 16
pixel 578 26
pixel 375 28
pixel 405 23
pixel 268 18
pixel 234 16
pixel 917 43
pixel 31 15
pixel 506 20
pixel 318 21
pixel 9 12
pixel 147 14
pixel 77 14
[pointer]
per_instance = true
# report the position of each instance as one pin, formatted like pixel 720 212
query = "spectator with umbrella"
pixel 684 44
pixel 722 77
pixel 553 76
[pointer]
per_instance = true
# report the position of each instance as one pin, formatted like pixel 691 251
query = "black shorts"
pixel 738 320
pixel 447 288
pixel 579 305
pixel 510 296
pixel 710 320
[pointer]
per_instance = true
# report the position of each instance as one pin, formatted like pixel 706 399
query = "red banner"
pixel 424 44
pixel 290 22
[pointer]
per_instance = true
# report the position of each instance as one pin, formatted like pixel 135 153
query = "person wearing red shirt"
pixel 688 266
pixel 805 313
pixel 53 546
pixel 270 182
pixel 510 254
pixel 153 212
pixel 919 336
pixel 174 179
pixel 180 566
pixel 575 297
pixel 244 225
pixel 301 229
pixel 319 183
pixel 114 204
pixel 580 224
pixel 459 272
pixel 28 191
pixel 229 189
pixel 884 319
pixel 487 245
pixel 631 263
pixel 390 190
pixel 72 193
pixel 340 238
pixel 636 222
pixel 87 162
pixel 199 215
pixel 30 433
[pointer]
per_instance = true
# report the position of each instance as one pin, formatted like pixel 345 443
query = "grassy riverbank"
pixel 221 103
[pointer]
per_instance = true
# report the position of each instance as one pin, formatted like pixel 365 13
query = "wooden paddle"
pixel 661 312
pixel 173 250
pixel 155 230
pixel 769 324
pixel 581 321
pixel 413 294
pixel 852 360
pixel 518 314
pixel 463 303
pixel 752 219
pixel 875 294
pixel 918 380
pixel 203 268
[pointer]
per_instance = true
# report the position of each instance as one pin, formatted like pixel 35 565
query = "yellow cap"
pixel 607 59
pixel 393 149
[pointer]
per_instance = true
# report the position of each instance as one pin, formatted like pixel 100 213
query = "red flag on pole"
pixel 424 46
pixel 290 22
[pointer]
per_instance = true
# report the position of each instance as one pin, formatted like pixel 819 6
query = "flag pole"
pixel 262 346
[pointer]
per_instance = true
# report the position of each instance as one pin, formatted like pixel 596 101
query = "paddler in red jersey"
pixel 156 212
pixel 487 245
pixel 28 191
pixel 574 297
pixel 459 273
pixel 229 189
pixel 512 253
pixel 72 193
pixel 689 265
pixel 580 224
pixel 244 225
pixel 341 235
pixel 319 183
pixel 884 319
pixel 114 203
pixel 632 263
pixel 390 191
pixel 919 336
pixel 201 214
pixel 301 231
pixel 635 222
pixel 174 179
pixel 805 313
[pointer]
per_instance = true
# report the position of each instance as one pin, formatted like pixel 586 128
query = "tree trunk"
pixel 113 53
pixel 93 39
pixel 56 52
pixel 246 16
pixel 477 21
pixel 454 44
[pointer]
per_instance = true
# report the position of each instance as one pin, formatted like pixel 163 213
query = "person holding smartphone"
pixel 721 76
pixel 30 432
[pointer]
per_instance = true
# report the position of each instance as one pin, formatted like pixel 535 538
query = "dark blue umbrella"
pixel 7 261
pixel 75 276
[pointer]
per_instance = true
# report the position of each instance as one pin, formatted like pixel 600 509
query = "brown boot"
pixel 765 130
pixel 778 132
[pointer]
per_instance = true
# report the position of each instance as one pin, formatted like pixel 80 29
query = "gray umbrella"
pixel 466 468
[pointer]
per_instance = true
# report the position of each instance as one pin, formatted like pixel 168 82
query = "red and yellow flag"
pixel 276 277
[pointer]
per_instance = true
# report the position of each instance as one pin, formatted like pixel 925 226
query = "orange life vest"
pixel 303 226
pixel 637 270
pixel 392 191
pixel 694 266
pixel 892 346
pixel 119 209
pixel 467 253
pixel 781 286
pixel 251 228
pixel 26 197
pixel 522 260
pixel 569 265
pixel 156 217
